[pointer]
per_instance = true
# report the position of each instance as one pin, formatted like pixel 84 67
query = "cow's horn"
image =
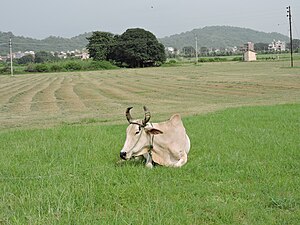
pixel 147 116
pixel 128 116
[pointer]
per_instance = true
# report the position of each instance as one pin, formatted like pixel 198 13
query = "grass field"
pixel 61 135
pixel 243 169
pixel 43 100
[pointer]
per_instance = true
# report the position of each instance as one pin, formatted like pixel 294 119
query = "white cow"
pixel 164 143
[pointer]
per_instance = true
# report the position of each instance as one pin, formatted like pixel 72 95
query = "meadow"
pixel 61 135
pixel 45 100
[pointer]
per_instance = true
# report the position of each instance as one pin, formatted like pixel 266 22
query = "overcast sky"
pixel 69 18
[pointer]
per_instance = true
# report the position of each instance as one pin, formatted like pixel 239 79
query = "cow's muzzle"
pixel 123 155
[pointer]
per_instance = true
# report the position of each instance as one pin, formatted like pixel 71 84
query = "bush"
pixel 170 63
pixel 218 59
pixel 31 68
pixel 73 66
pixel 210 59
pixel 5 70
pixel 237 59
pixel 63 66
pixel 56 68
pixel 42 68
pixel 101 65
pixel 203 60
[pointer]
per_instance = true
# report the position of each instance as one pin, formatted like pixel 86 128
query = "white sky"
pixel 69 18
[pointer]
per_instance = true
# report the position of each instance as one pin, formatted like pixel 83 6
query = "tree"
pixel 189 51
pixel 296 45
pixel 26 59
pixel 43 56
pixel 204 51
pixel 138 48
pixel 261 47
pixel 101 45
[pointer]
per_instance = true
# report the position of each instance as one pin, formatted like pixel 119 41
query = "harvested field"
pixel 44 100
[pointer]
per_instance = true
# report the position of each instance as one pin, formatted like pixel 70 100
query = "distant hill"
pixel 48 44
pixel 220 37
pixel 213 36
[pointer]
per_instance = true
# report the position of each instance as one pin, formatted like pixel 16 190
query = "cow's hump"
pixel 176 119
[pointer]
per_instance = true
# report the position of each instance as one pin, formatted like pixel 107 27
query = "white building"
pixel 29 53
pixel 277 46
pixel 171 51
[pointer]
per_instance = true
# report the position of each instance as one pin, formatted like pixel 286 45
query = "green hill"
pixel 213 36
pixel 220 37
pixel 48 44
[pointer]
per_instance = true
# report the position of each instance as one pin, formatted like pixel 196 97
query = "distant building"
pixel 18 55
pixel 277 46
pixel 234 49
pixel 85 56
pixel 249 46
pixel 171 51
pixel 249 56
pixel 61 55
pixel 249 53
pixel 29 53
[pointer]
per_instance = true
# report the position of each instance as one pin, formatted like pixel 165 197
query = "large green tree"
pixel 261 47
pixel 139 48
pixel 26 59
pixel 101 45
pixel 189 51
pixel 43 56
pixel 134 48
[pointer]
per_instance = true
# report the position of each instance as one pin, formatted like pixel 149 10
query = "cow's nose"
pixel 123 155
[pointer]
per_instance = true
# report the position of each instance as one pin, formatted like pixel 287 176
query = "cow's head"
pixel 139 136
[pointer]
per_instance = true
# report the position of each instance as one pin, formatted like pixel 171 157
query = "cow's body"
pixel 165 143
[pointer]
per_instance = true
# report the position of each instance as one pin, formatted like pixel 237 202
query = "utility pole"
pixel 196 39
pixel 11 58
pixel 289 15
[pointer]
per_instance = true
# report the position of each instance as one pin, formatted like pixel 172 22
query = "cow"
pixel 164 143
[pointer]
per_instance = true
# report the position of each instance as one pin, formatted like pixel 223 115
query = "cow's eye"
pixel 137 132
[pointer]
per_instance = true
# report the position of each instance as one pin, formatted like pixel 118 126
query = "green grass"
pixel 243 168
pixel 279 57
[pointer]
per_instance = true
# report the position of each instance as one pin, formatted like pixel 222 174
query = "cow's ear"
pixel 153 131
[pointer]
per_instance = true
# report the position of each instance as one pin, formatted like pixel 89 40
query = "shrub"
pixel 170 63
pixel 215 59
pixel 237 59
pixel 101 65
pixel 31 68
pixel 72 66
pixel 5 70
pixel 203 60
pixel 218 59
pixel 42 68
pixel 56 68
